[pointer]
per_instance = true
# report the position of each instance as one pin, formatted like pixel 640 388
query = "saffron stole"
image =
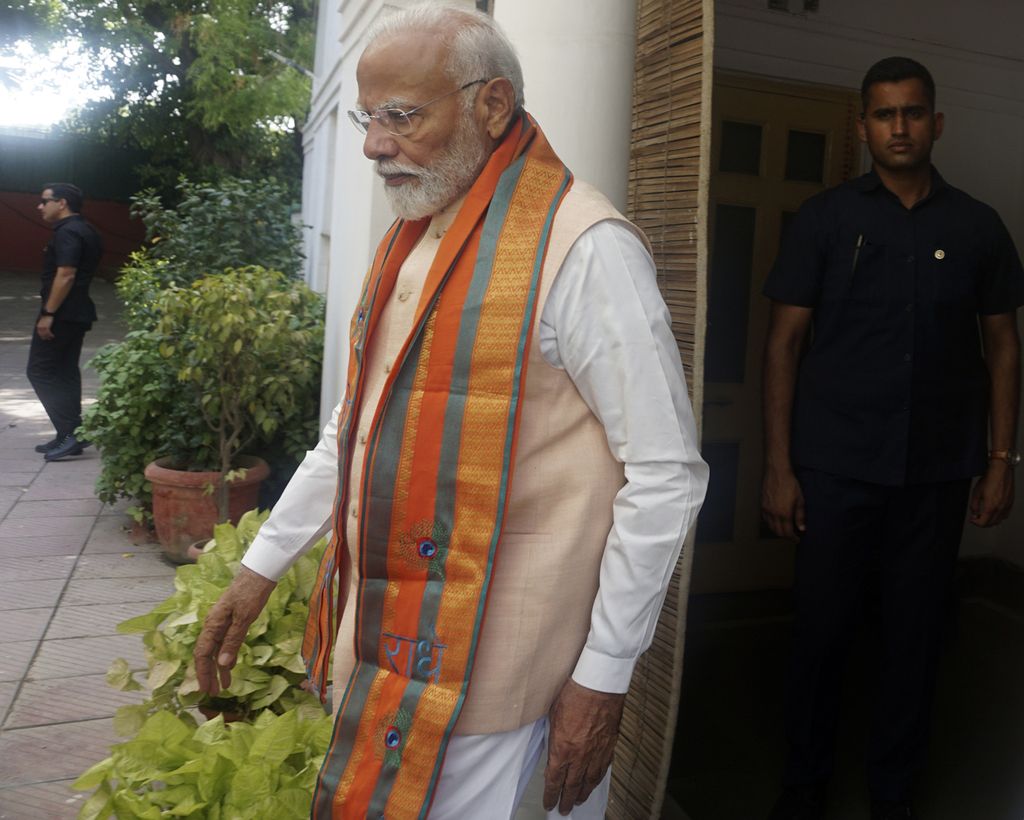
pixel 434 486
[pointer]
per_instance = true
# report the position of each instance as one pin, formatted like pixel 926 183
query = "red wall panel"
pixel 23 234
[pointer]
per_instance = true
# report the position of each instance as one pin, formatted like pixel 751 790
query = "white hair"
pixel 479 49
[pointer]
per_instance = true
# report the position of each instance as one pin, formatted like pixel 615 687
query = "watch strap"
pixel 1011 457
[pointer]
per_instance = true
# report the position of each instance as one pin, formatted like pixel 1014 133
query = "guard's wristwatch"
pixel 45 312
pixel 1011 457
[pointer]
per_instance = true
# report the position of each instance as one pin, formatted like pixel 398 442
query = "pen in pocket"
pixel 856 254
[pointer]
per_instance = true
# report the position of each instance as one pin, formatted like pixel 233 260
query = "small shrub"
pixel 139 416
pixel 230 362
pixel 214 226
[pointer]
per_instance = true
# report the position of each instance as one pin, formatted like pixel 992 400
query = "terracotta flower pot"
pixel 184 508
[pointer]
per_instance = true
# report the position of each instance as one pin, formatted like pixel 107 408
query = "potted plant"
pixel 264 769
pixel 233 338
pixel 269 674
pixel 144 411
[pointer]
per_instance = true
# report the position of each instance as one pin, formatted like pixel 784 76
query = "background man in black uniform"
pixel 875 423
pixel 69 262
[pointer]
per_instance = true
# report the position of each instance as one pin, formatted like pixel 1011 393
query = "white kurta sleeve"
pixel 303 513
pixel 605 323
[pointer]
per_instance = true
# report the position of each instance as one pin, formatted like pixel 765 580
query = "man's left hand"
pixel 44 327
pixel 992 497
pixel 584 725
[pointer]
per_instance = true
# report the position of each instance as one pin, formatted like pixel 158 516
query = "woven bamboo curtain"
pixel 668 192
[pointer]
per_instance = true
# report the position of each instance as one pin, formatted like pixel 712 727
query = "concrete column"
pixel 577 58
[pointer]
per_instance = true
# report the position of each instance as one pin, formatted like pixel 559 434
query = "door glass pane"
pixel 741 148
pixel 805 157
pixel 729 293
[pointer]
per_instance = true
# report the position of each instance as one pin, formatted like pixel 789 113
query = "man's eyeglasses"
pixel 395 120
pixel 44 199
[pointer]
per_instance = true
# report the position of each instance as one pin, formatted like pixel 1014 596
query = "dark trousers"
pixel 54 374
pixel 903 542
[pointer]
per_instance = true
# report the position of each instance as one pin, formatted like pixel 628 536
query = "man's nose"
pixel 378 142
pixel 899 123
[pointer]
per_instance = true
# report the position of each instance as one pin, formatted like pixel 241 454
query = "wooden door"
pixel 774 144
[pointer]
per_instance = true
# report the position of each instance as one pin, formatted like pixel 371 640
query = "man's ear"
pixel 496 105
pixel 940 122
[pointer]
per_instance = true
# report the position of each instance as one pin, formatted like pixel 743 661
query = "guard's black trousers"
pixel 54 374
pixel 905 539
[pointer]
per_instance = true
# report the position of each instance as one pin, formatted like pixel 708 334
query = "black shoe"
pixel 891 810
pixel 800 803
pixel 69 446
pixel 45 448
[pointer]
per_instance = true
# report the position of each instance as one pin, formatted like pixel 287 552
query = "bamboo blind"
pixel 668 194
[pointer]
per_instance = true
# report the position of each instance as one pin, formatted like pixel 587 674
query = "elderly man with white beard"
pixel 510 475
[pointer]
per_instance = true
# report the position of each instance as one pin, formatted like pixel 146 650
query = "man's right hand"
pixel 225 628
pixel 782 503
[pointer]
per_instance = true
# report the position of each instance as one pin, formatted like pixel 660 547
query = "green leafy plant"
pixel 230 224
pixel 246 346
pixel 269 673
pixel 241 771
pixel 234 340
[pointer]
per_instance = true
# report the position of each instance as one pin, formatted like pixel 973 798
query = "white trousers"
pixel 485 777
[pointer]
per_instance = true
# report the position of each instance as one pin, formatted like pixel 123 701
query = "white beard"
pixel 442 182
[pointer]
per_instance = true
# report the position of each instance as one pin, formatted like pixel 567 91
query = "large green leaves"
pixel 270 669
pixel 173 769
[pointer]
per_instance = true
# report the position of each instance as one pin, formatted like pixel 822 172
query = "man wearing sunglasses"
pixel 66 313
pixel 515 440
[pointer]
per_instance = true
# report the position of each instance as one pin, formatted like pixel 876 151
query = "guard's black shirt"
pixel 76 244
pixel 893 388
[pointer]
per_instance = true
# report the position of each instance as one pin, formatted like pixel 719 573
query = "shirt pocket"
pixel 856 269
pixel 952 271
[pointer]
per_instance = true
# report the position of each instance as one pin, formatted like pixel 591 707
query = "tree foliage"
pixel 194 83
pixel 235 223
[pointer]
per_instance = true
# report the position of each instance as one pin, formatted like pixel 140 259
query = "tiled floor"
pixel 69 573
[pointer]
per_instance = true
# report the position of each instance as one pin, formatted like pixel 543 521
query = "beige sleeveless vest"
pixel 559 515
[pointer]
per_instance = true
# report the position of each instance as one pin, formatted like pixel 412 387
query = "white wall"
pixel 974 53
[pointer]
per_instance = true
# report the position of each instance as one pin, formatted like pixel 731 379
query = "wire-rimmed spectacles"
pixel 395 120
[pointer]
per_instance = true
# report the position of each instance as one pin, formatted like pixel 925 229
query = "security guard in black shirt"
pixel 878 396
pixel 70 260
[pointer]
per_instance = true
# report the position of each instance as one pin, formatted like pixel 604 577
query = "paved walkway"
pixel 69 573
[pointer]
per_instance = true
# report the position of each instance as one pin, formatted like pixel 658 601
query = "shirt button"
pixel 910 307
pixel 906 357
pixel 403 295
pixel 362 437
pixel 387 368
pixel 354 511
pixel 910 259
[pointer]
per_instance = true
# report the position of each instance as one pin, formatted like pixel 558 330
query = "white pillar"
pixel 577 58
